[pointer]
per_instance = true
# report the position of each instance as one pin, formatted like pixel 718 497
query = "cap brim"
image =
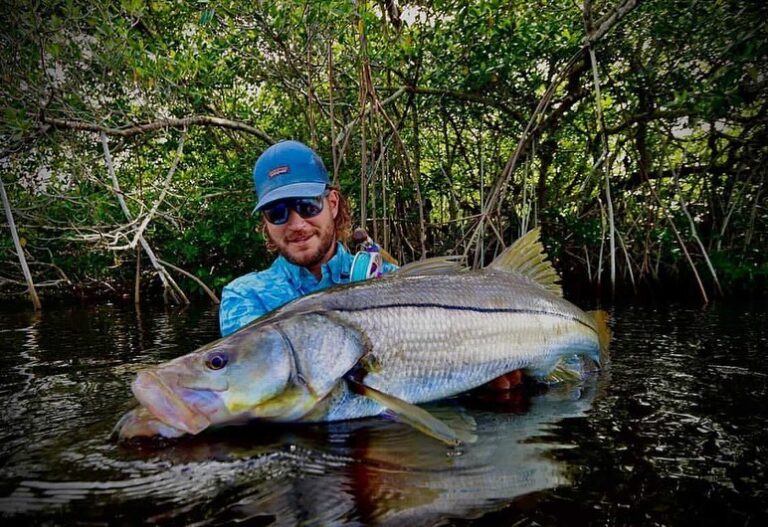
pixel 294 190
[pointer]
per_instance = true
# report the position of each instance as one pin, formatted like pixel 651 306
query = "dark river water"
pixel 674 432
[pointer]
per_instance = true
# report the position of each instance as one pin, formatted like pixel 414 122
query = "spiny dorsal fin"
pixel 527 257
pixel 431 266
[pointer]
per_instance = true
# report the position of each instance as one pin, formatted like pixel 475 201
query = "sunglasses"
pixel 277 213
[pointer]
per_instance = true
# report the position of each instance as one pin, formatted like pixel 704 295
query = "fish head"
pixel 324 348
pixel 222 382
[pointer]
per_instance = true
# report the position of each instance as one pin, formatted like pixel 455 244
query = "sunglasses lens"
pixel 277 214
pixel 309 207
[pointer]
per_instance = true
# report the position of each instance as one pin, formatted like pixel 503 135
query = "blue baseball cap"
pixel 288 169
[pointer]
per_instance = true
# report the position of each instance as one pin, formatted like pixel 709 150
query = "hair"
pixel 342 222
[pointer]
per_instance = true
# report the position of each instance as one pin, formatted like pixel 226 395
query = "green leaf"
pixel 206 16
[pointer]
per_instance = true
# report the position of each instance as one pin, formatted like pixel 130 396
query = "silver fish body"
pixel 429 337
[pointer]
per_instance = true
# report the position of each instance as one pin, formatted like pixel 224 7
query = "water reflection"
pixel 367 471
pixel 374 471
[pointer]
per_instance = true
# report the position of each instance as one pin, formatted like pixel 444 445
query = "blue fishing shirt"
pixel 250 296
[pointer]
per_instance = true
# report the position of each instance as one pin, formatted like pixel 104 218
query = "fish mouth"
pixel 139 422
pixel 162 402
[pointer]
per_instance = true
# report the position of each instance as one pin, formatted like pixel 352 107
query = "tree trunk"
pixel 19 249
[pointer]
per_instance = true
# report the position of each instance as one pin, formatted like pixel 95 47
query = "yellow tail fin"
pixel 603 332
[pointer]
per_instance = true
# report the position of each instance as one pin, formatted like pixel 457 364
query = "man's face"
pixel 308 242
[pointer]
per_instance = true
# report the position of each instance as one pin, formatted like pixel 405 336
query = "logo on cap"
pixel 279 170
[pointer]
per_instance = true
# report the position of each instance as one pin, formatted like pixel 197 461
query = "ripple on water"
pixel 168 483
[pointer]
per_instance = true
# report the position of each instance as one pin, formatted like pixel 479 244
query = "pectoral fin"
pixel 414 416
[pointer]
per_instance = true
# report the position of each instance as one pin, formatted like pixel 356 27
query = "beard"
pixel 326 236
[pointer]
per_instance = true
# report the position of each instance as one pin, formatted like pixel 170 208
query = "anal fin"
pixel 563 373
pixel 414 416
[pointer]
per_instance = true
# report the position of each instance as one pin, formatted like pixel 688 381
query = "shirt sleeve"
pixel 238 309
pixel 388 267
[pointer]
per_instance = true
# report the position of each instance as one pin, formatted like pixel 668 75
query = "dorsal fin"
pixel 527 257
pixel 432 266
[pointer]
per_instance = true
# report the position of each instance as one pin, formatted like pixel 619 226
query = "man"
pixel 306 220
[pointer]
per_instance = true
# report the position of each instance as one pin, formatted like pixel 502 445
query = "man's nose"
pixel 295 221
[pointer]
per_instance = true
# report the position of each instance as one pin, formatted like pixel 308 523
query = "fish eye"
pixel 216 361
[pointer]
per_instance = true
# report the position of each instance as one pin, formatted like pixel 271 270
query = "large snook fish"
pixel 426 332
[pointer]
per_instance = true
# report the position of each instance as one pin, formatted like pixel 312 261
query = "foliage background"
pixel 426 112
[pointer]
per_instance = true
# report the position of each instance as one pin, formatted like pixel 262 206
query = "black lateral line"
pixel 451 307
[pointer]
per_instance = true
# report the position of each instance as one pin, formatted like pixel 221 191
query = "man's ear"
pixel 333 200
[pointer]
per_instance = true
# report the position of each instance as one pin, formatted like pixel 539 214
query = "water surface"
pixel 673 433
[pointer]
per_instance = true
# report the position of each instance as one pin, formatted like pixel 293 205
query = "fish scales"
pixel 465 349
